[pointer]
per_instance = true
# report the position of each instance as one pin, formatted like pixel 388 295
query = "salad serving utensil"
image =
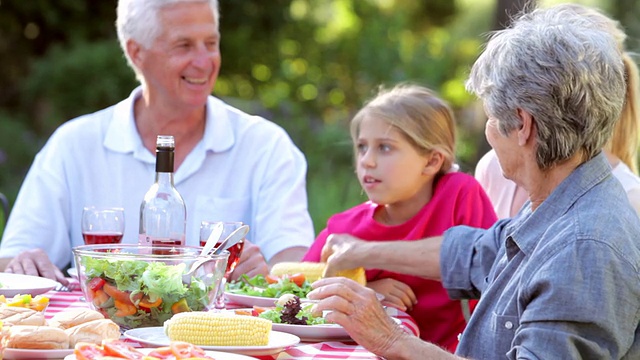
pixel 212 240
pixel 236 236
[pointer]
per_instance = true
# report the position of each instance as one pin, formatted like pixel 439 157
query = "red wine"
pixel 166 247
pixel 102 237
pixel 234 255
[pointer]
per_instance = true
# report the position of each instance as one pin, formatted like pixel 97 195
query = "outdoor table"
pixel 60 300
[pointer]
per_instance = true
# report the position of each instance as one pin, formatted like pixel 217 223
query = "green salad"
pixel 140 294
pixel 291 311
pixel 269 287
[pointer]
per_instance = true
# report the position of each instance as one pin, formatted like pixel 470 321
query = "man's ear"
pixel 435 159
pixel 527 131
pixel 134 52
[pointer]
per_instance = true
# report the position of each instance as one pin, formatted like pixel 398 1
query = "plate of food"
pixel 211 354
pixel 16 354
pixel 155 336
pixel 292 316
pixel 14 284
pixel 263 290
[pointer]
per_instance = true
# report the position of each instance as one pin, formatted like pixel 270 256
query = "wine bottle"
pixel 163 215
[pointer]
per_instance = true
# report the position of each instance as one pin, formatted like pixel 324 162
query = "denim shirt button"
pixel 508 324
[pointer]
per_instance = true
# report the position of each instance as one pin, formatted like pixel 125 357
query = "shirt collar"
pixel 528 227
pixel 122 134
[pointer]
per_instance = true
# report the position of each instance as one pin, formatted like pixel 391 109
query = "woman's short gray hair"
pixel 138 20
pixel 566 72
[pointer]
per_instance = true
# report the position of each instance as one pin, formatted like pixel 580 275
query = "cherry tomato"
pixel 272 279
pixel 96 283
pixel 297 279
pixel 87 351
pixel 119 348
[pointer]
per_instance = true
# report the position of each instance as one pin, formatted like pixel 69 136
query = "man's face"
pixel 181 66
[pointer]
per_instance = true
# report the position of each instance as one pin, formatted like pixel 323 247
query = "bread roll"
pixel 15 315
pixel 93 332
pixel 73 317
pixel 36 337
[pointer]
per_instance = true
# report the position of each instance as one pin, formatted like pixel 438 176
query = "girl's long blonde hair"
pixel 425 120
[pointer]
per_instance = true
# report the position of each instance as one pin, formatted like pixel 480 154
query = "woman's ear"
pixel 526 132
pixel 435 159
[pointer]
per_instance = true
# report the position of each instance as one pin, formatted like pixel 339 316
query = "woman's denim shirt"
pixel 561 282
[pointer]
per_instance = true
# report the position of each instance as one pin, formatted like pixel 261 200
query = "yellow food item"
pixel 218 329
pixel 37 303
pixel 314 271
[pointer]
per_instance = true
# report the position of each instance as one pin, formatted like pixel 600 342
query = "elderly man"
pixel 561 279
pixel 230 166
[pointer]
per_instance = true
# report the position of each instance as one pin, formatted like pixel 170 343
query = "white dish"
pixel 73 272
pixel 248 300
pixel 15 354
pixel 310 333
pixel 14 284
pixel 215 354
pixel 155 336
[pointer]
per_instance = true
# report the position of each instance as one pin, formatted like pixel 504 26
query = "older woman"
pixel 552 87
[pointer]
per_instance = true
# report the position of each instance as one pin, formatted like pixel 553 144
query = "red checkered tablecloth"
pixel 59 301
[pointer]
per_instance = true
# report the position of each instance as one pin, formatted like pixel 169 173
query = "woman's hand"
pixel 357 309
pixel 396 293
pixel 341 252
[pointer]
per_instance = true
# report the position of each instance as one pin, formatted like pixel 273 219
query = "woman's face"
pixel 389 168
pixel 506 147
pixel 182 64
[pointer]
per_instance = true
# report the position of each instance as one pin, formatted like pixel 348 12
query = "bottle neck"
pixel 164 160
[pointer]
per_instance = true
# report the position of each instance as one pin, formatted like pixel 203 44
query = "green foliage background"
pixel 307 65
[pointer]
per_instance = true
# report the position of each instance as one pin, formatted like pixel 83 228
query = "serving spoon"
pixel 233 238
pixel 212 240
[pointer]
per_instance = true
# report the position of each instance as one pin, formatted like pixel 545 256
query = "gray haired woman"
pixel 561 279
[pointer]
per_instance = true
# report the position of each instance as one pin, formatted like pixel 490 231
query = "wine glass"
pixel 234 252
pixel 102 225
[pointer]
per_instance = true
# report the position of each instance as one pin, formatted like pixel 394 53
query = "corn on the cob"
pixel 218 329
pixel 314 271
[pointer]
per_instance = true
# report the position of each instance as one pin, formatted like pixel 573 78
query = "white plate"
pixel 248 300
pixel 310 333
pixel 14 284
pixel 155 336
pixel 11 354
pixel 73 272
pixel 215 354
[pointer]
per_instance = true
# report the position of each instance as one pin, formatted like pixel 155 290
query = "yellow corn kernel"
pixel 218 329
pixel 314 271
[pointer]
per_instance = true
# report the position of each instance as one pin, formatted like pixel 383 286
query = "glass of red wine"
pixel 102 225
pixel 234 251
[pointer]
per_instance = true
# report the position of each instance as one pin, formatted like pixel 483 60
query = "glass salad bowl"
pixel 142 286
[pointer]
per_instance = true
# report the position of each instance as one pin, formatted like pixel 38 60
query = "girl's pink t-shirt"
pixel 458 199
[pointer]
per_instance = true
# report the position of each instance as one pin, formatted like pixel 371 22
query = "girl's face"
pixel 390 170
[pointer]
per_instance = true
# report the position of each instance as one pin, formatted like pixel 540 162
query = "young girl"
pixel 404 142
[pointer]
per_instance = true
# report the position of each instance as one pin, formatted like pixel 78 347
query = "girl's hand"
pixel 395 292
